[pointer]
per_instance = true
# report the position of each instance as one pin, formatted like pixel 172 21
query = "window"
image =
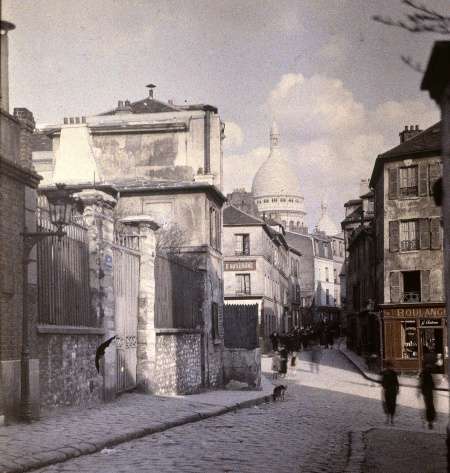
pixel 242 244
pixel 408 181
pixel 215 320
pixel 214 228
pixel 282 200
pixel 335 275
pixel 409 339
pixel 327 296
pixel 242 283
pixel 434 173
pixel 266 201
pixel 409 235
pixel 327 276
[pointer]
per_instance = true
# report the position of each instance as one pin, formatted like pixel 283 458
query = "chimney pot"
pixel 417 127
pixel 406 127
pixel 150 89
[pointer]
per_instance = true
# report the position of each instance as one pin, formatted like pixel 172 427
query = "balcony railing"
pixel 242 252
pixel 407 245
pixel 241 292
pixel 411 297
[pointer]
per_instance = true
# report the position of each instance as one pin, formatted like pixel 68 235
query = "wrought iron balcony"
pixel 411 297
pixel 407 245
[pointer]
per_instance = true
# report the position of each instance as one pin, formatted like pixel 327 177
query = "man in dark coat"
pixel 426 386
pixel 389 382
pixel 274 340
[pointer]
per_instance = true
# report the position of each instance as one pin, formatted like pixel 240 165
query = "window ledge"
pixel 69 330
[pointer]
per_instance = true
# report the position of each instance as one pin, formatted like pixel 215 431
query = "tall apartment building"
pixel 409 254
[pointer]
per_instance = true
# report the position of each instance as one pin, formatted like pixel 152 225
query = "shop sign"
pixel 240 265
pixel 430 323
pixel 415 312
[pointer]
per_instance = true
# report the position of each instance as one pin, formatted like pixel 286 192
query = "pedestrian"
pixel 426 386
pixel 316 355
pixel 275 365
pixel 274 340
pixel 283 360
pixel 389 382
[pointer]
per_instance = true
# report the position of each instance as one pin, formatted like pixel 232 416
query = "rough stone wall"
pixel 178 363
pixel 243 366
pixel 67 370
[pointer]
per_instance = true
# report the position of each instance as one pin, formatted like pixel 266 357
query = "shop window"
pixel 243 284
pixel 242 244
pixel 409 339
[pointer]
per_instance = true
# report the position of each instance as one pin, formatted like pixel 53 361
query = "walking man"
pixel 389 382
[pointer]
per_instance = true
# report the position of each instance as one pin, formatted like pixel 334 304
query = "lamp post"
pixel 61 204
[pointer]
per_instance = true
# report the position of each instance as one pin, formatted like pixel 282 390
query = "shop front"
pixel 415 335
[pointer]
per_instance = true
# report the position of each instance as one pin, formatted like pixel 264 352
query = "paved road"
pixel 308 432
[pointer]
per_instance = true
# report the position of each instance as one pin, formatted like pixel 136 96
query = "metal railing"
pixel 411 297
pixel 406 245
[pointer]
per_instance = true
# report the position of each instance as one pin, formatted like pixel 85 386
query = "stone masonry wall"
pixel 67 370
pixel 243 366
pixel 178 363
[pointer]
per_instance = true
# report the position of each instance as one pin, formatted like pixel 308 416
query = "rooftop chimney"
pixel 5 26
pixel 150 88
pixel 407 134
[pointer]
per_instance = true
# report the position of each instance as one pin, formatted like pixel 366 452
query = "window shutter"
pixel 423 179
pixel 435 224
pixel 425 286
pixel 395 286
pixel 394 236
pixel 424 233
pixel 393 183
pixel 434 173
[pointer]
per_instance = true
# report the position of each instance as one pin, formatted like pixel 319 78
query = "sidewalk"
pixel 359 363
pixel 71 432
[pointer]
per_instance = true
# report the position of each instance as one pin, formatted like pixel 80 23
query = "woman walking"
pixel 283 360
pixel 426 386
pixel 389 382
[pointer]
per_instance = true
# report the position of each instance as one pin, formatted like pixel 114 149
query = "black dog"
pixel 101 352
pixel 278 392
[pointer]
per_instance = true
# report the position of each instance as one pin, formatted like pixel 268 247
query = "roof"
pixel 41 142
pixel 234 216
pixel 437 74
pixel 151 105
pixel 352 202
pixel 425 143
pixel 300 243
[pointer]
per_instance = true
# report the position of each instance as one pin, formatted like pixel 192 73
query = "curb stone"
pixel 63 454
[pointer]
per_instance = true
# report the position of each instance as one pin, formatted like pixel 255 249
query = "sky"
pixel 330 76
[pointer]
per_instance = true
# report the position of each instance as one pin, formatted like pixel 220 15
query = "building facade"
pixel 409 254
pixel 257 269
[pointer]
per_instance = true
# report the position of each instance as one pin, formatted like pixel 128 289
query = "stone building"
pixel 409 254
pixel 158 169
pixel 256 268
pixel 18 183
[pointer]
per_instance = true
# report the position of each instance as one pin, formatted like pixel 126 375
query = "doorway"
pixel 432 347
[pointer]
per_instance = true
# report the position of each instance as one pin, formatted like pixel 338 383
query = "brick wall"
pixel 178 363
pixel 67 370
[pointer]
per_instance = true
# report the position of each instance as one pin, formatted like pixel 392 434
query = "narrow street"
pixel 308 432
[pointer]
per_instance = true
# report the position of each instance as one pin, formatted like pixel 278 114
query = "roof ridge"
pixel 246 214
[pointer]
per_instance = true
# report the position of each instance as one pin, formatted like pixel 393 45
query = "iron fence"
pixel 63 274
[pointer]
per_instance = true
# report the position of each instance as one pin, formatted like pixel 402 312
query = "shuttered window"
pixel 424 233
pixel 393 183
pixel 394 236
pixel 243 283
pixel 424 285
pixel 434 173
pixel 423 179
pixel 435 227
pixel 409 235
pixel 395 286
pixel 242 244
pixel 408 177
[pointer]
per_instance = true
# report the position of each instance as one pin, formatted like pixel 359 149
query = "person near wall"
pixel 283 360
pixel 390 385
pixel 426 387
pixel 274 340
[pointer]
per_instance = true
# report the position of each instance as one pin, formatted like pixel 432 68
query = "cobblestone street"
pixel 310 431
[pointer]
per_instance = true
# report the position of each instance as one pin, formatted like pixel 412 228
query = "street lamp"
pixel 61 205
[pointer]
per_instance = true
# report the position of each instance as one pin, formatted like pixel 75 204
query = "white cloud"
pixel 239 169
pixel 333 139
pixel 234 136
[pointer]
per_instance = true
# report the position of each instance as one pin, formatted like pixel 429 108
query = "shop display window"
pixel 409 339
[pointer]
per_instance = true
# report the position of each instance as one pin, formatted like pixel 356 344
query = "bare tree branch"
pixel 416 66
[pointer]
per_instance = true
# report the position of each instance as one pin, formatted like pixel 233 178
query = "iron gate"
pixel 126 293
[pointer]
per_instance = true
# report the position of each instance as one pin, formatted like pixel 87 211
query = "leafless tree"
pixel 170 239
pixel 419 19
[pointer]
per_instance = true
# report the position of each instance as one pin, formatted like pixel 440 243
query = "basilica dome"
pixel 325 224
pixel 275 177
pixel 276 188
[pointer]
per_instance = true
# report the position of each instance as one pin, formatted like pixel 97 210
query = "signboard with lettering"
pixel 430 322
pixel 249 265
pixel 422 312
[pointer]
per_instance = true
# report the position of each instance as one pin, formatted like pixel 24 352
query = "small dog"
pixel 278 392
